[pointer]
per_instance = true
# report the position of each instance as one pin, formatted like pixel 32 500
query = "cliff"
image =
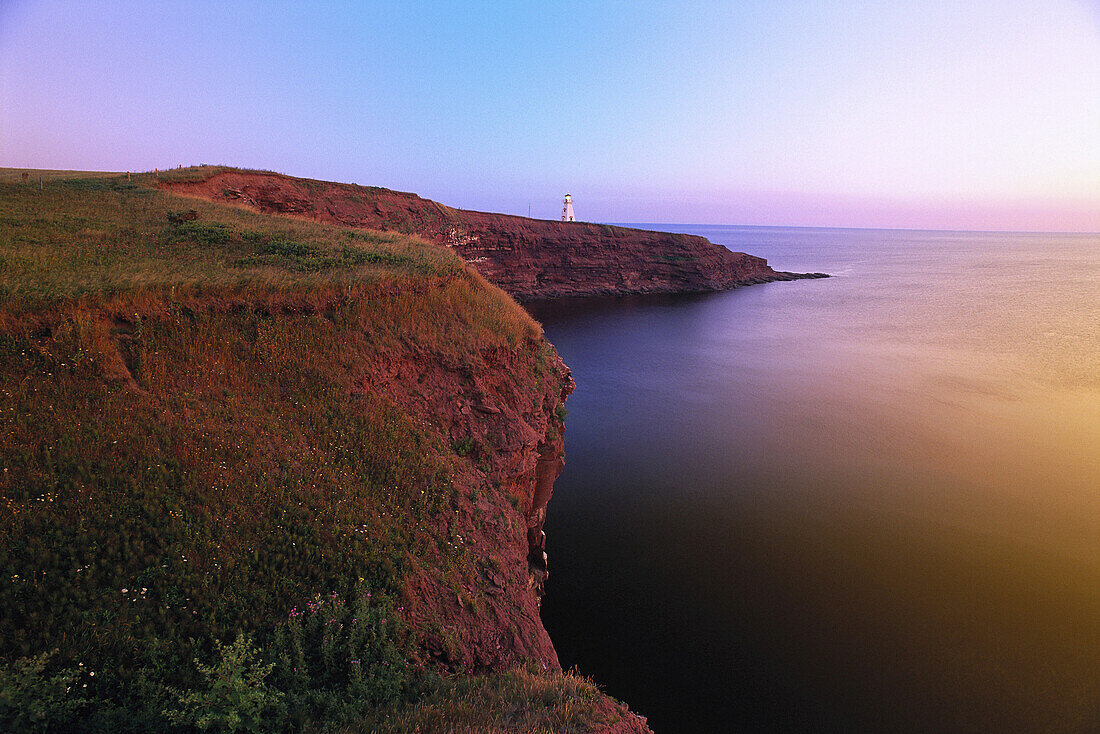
pixel 528 258
pixel 333 446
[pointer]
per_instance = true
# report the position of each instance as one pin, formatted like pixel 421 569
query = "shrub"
pixel 236 696
pixel 33 700
pixel 463 446
pixel 335 659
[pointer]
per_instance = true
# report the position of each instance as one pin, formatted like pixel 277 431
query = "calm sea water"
pixel 866 503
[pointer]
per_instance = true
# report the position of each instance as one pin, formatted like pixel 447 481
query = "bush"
pixel 32 700
pixel 464 445
pixel 335 659
pixel 236 696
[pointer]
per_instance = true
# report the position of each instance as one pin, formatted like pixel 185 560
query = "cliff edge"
pixel 268 473
pixel 528 258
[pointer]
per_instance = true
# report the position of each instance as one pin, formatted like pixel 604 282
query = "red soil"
pixel 528 258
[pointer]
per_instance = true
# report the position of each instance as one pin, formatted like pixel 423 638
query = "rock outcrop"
pixel 504 420
pixel 528 258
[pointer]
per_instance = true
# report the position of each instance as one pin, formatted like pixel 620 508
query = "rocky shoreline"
pixel 530 259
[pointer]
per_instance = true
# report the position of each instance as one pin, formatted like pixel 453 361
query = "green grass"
pixel 33 176
pixel 190 451
pixel 239 473
pixel 189 173
pixel 105 234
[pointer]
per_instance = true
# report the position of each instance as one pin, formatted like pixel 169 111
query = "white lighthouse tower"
pixel 567 209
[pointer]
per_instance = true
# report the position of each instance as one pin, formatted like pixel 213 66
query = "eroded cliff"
pixel 528 258
pixel 501 416
pixel 338 443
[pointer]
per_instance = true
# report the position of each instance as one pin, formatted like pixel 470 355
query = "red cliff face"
pixel 528 258
pixel 503 417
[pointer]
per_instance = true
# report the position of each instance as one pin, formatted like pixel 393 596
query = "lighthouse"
pixel 567 209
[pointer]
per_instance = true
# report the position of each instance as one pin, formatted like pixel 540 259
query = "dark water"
pixel 867 503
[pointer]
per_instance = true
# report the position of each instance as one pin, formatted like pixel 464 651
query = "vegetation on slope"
pixel 206 521
pixel 71 237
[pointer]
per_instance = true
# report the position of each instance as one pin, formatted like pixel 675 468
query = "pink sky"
pixel 924 114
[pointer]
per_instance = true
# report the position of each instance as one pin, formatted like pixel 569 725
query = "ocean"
pixel 864 503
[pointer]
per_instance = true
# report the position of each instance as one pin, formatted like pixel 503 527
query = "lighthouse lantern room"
pixel 567 209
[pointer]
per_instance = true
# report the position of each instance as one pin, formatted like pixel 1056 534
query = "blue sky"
pixel 923 114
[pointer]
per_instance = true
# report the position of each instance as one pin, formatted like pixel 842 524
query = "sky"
pixel 924 114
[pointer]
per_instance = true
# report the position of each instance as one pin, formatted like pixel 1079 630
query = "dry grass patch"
pixel 519 702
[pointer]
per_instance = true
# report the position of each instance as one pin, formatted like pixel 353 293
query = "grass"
pixel 238 473
pixel 73 236
pixel 188 448
pixel 519 701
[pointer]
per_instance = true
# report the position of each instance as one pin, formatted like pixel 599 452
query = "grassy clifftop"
pixel 528 258
pixel 241 484
pixel 70 237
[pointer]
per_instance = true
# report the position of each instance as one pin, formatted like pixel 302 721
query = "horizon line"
pixel 888 229
pixel 620 224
